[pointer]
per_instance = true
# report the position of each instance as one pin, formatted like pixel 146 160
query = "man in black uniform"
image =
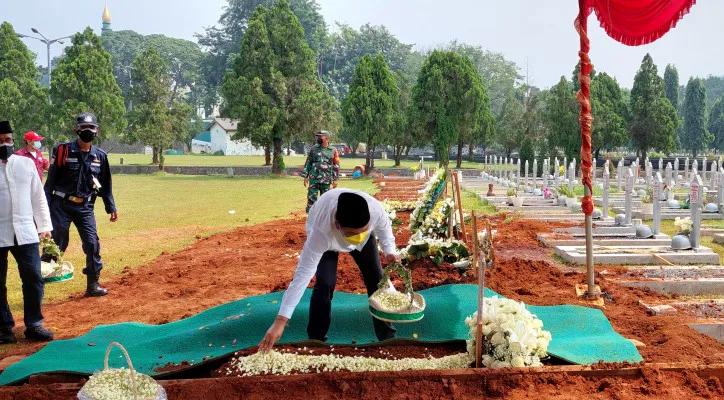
pixel 79 172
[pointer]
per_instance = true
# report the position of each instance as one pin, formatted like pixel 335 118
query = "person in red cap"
pixel 32 151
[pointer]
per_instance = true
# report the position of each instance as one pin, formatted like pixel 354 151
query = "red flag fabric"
pixel 637 22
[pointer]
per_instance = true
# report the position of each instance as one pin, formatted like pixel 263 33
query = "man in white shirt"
pixel 23 215
pixel 342 220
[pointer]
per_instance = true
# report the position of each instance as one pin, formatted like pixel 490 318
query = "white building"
pixel 218 138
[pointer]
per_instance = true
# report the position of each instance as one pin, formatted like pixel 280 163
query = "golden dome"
pixel 106 15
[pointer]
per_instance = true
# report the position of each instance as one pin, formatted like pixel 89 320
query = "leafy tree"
pixel 196 126
pixel 182 58
pixel 498 74
pixel 347 46
pixel 450 102
pixel 84 81
pixel 526 153
pixel 401 137
pixel 716 124
pixel 152 121
pixel 714 86
pixel 22 101
pixel 272 89
pixel 653 119
pixel 694 135
pixel 671 85
pixel 222 41
pixel 369 109
pixel 561 119
pixel 510 126
pixel 609 114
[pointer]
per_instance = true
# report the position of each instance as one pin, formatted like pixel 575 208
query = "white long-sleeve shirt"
pixel 22 203
pixel 322 236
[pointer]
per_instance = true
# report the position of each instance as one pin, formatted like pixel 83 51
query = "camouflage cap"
pixel 322 133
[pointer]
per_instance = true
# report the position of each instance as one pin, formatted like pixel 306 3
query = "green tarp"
pixel 580 335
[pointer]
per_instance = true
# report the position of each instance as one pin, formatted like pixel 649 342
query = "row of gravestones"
pixel 504 171
pixel 509 172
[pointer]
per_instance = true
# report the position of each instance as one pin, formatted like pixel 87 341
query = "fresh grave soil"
pixel 207 273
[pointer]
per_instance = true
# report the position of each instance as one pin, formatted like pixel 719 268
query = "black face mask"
pixel 320 141
pixel 6 151
pixel 87 135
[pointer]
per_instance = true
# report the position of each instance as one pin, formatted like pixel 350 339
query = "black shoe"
pixel 38 333
pixel 7 336
pixel 95 290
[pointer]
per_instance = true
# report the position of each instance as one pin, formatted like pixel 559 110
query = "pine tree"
pixel 369 109
pixel 694 136
pixel 561 119
pixel 156 120
pixel 22 101
pixel 449 102
pixel 83 81
pixel 716 124
pixel 510 126
pixel 609 112
pixel 653 119
pixel 671 85
pixel 272 89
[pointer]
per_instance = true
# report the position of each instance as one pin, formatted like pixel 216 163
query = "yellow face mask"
pixel 357 239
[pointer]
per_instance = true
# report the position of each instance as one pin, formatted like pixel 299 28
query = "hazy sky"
pixel 539 33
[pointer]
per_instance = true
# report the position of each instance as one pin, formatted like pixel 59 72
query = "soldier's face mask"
pixel 320 141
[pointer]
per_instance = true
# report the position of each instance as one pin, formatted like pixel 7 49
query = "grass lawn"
pixel 667 227
pixel 165 213
pixel 254 161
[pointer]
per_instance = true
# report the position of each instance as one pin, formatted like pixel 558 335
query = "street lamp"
pixel 47 42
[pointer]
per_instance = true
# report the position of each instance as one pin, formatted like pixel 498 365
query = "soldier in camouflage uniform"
pixel 321 170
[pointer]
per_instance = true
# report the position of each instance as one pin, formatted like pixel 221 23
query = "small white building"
pixel 218 137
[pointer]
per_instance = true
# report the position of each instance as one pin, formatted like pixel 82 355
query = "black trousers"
pixel 320 307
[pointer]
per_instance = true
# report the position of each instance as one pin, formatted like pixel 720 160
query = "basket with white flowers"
pixel 387 304
pixel 121 383
pixel 57 270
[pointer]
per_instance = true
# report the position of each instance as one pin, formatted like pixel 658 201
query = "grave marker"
pixel 629 189
pixel 658 185
pixel 695 204
pixel 606 176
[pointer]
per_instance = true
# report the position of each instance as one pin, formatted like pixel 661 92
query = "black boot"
pixel 94 289
pixel 7 336
pixel 38 333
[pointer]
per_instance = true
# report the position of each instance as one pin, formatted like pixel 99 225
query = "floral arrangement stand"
pixel 121 383
pixel 387 304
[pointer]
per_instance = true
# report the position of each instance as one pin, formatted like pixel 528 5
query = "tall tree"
pixel 182 58
pixel 401 137
pixel 498 74
pixel 561 119
pixel 609 114
pixel 84 81
pixel 156 120
pixel 450 102
pixel 222 41
pixel 22 101
pixel 369 109
pixel 273 90
pixel 695 136
pixel 716 124
pixel 510 127
pixel 653 119
pixel 347 46
pixel 671 85
pixel 714 86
